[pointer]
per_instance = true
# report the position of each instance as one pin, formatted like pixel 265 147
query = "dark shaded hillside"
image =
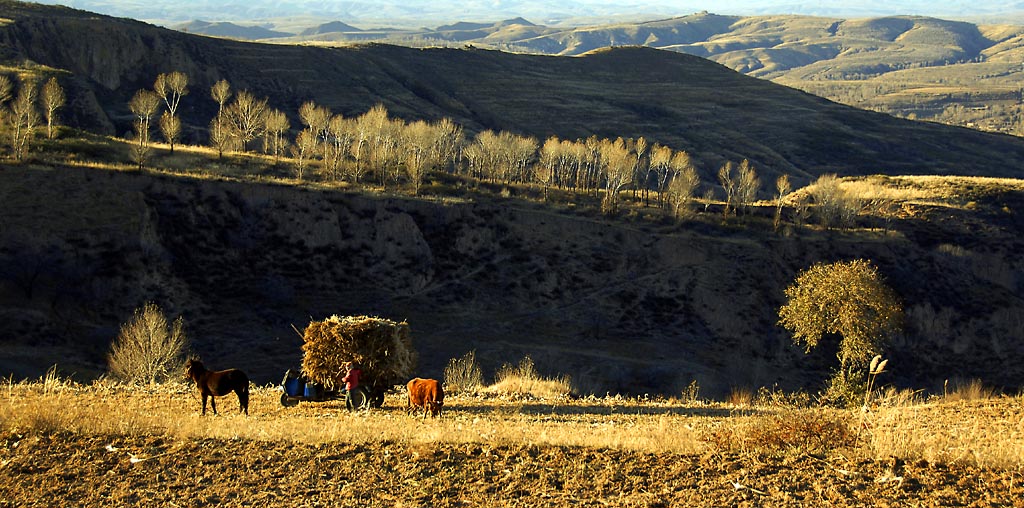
pixel 679 100
pixel 620 306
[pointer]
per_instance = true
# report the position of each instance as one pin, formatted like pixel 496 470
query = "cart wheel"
pixel 287 401
pixel 377 399
pixel 357 398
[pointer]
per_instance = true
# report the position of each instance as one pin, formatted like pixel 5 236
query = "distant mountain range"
pixel 928 68
pixel 415 13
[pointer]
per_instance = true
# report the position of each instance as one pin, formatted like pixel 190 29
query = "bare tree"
pixel 276 124
pixel 660 167
pixel 221 92
pixel 782 189
pixel 171 88
pixel 708 197
pixel 728 183
pixel 448 139
pixel 549 169
pixel 6 89
pixel 24 118
pixel 682 190
pixel 316 119
pixel 336 145
pixel 220 135
pixel 144 105
pixel 747 184
pixel 53 98
pixel 305 144
pixel 617 165
pixel 170 126
pixel 419 140
pixel 148 349
pixel 640 171
pixel 246 117
pixel 360 132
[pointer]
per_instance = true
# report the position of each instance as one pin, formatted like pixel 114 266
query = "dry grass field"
pixel 66 444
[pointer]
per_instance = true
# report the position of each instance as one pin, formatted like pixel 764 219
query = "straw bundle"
pixel 382 348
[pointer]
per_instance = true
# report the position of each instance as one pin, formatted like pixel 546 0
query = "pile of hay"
pixel 382 348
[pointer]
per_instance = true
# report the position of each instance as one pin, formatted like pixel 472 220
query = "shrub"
pixel 810 431
pixel 833 205
pixel 691 394
pixel 773 397
pixel 463 375
pixel 148 349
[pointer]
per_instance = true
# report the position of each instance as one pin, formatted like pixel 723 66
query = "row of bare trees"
pixel 394 152
pixel 23 107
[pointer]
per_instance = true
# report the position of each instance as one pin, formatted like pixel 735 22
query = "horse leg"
pixel 213 403
pixel 243 400
pixel 204 404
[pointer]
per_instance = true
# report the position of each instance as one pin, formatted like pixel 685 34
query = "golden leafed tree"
pixel 848 300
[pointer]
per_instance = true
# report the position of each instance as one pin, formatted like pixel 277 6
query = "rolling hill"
pixel 621 304
pixel 952 72
pixel 676 99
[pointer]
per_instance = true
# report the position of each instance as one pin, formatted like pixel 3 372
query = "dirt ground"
pixel 75 446
pixel 63 469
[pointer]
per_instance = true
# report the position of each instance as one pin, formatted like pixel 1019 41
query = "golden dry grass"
pixel 986 433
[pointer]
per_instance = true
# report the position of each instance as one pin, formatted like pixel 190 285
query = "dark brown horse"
pixel 214 383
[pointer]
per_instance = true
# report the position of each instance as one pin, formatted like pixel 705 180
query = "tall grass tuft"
pixel 740 396
pixel 972 389
pixel 463 375
pixel 524 380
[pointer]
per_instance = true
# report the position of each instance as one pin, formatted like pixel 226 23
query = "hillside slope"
pixel 679 100
pixel 634 307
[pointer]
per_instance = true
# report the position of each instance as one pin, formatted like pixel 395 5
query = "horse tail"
pixel 243 394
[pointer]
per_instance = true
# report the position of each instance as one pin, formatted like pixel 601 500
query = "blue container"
pixel 293 386
pixel 312 390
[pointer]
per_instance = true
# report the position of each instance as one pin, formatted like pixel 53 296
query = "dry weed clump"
pixel 773 397
pixel 967 390
pixel 813 431
pixel 524 380
pixel 382 348
pixel 740 396
pixel 463 375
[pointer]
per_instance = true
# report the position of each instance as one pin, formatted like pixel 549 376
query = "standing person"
pixel 351 381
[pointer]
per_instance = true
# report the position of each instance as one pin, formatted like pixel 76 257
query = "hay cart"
pixel 380 347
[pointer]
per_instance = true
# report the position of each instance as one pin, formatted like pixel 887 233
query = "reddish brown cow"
pixel 426 393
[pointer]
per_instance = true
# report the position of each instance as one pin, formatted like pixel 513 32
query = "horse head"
pixel 193 368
